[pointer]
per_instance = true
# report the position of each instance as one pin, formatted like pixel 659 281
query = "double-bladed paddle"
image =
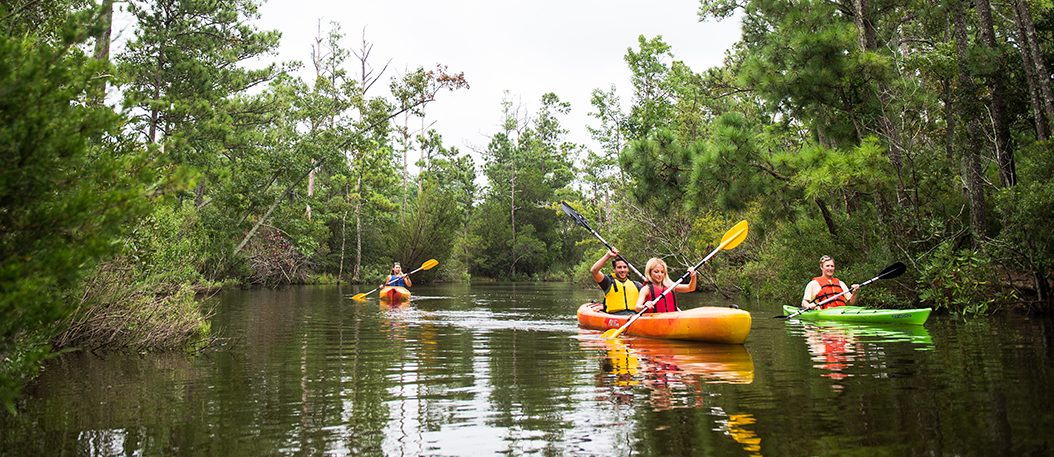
pixel 889 272
pixel 424 266
pixel 732 238
pixel 582 221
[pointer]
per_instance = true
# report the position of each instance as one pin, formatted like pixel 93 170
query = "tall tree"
pixel 182 70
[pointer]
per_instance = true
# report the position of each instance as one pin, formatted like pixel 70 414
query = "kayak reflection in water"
pixel 833 350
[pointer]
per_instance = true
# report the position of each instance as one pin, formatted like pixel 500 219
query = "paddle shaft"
pixel 582 221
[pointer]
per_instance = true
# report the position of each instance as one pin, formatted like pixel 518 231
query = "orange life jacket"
pixel 829 288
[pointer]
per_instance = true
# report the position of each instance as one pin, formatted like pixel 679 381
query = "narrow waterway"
pixel 489 369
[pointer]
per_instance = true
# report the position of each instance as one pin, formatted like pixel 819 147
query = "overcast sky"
pixel 528 48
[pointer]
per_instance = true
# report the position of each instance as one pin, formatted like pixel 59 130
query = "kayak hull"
pixel 708 323
pixel 394 294
pixel 860 314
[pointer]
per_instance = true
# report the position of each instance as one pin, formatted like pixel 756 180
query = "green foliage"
pixel 1026 242
pixel 526 166
pixel 67 192
pixel 962 281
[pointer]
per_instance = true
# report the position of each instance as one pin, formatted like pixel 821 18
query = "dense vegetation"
pixel 873 131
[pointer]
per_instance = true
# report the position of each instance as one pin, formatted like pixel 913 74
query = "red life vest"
pixel 829 289
pixel 668 304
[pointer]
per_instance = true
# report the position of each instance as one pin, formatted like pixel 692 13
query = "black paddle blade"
pixel 893 271
pixel 574 214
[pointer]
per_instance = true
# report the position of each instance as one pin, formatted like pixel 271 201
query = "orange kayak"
pixel 394 294
pixel 708 323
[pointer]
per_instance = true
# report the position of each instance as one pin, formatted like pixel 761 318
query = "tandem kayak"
pixel 394 293
pixel 708 323
pixel 915 316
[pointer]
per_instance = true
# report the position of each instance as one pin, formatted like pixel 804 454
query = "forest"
pixel 137 183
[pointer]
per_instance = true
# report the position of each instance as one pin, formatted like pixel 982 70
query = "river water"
pixel 503 369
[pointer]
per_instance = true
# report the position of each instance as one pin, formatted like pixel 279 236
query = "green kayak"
pixel 916 316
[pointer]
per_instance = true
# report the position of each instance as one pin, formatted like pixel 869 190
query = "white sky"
pixel 528 48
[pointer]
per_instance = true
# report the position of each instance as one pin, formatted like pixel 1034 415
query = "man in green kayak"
pixel 826 286
pixel 620 292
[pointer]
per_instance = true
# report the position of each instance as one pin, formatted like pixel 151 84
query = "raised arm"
pixel 595 269
pixel 686 288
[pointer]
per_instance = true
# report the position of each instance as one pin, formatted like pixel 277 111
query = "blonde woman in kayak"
pixel 659 281
pixel 825 286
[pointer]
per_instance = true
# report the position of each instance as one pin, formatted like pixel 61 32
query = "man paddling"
pixel 826 286
pixel 620 292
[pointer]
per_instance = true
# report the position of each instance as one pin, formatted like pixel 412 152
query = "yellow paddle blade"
pixel 734 236
pixel 611 333
pixel 359 297
pixel 429 264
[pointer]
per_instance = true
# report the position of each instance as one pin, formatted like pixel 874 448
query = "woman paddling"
pixel 658 282
pixel 397 278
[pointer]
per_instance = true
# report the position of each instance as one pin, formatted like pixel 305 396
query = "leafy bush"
pixel 961 281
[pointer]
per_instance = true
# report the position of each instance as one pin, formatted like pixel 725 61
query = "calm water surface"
pixel 503 369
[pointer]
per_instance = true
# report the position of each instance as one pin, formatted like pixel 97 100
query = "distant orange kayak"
pixel 708 323
pixel 394 294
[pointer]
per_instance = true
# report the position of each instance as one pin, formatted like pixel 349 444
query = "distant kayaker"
pixel 659 281
pixel 620 292
pixel 826 286
pixel 397 278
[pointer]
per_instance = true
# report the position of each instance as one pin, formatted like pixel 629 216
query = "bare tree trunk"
pixel 827 219
pixel 1004 153
pixel 343 240
pixel 356 272
pixel 1025 49
pixel 310 192
pixel 973 178
pixel 406 163
pixel 199 193
pixel 512 215
pixel 287 192
pixel 1042 75
pixel 102 47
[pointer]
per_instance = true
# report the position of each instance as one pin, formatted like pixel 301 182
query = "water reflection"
pixel 739 428
pixel 503 369
pixel 662 362
pixel 668 376
pixel 671 372
pixel 836 347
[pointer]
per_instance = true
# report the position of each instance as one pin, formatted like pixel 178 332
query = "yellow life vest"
pixel 620 296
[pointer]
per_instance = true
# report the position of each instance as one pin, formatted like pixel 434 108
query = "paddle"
pixel 732 238
pixel 582 221
pixel 424 266
pixel 890 272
